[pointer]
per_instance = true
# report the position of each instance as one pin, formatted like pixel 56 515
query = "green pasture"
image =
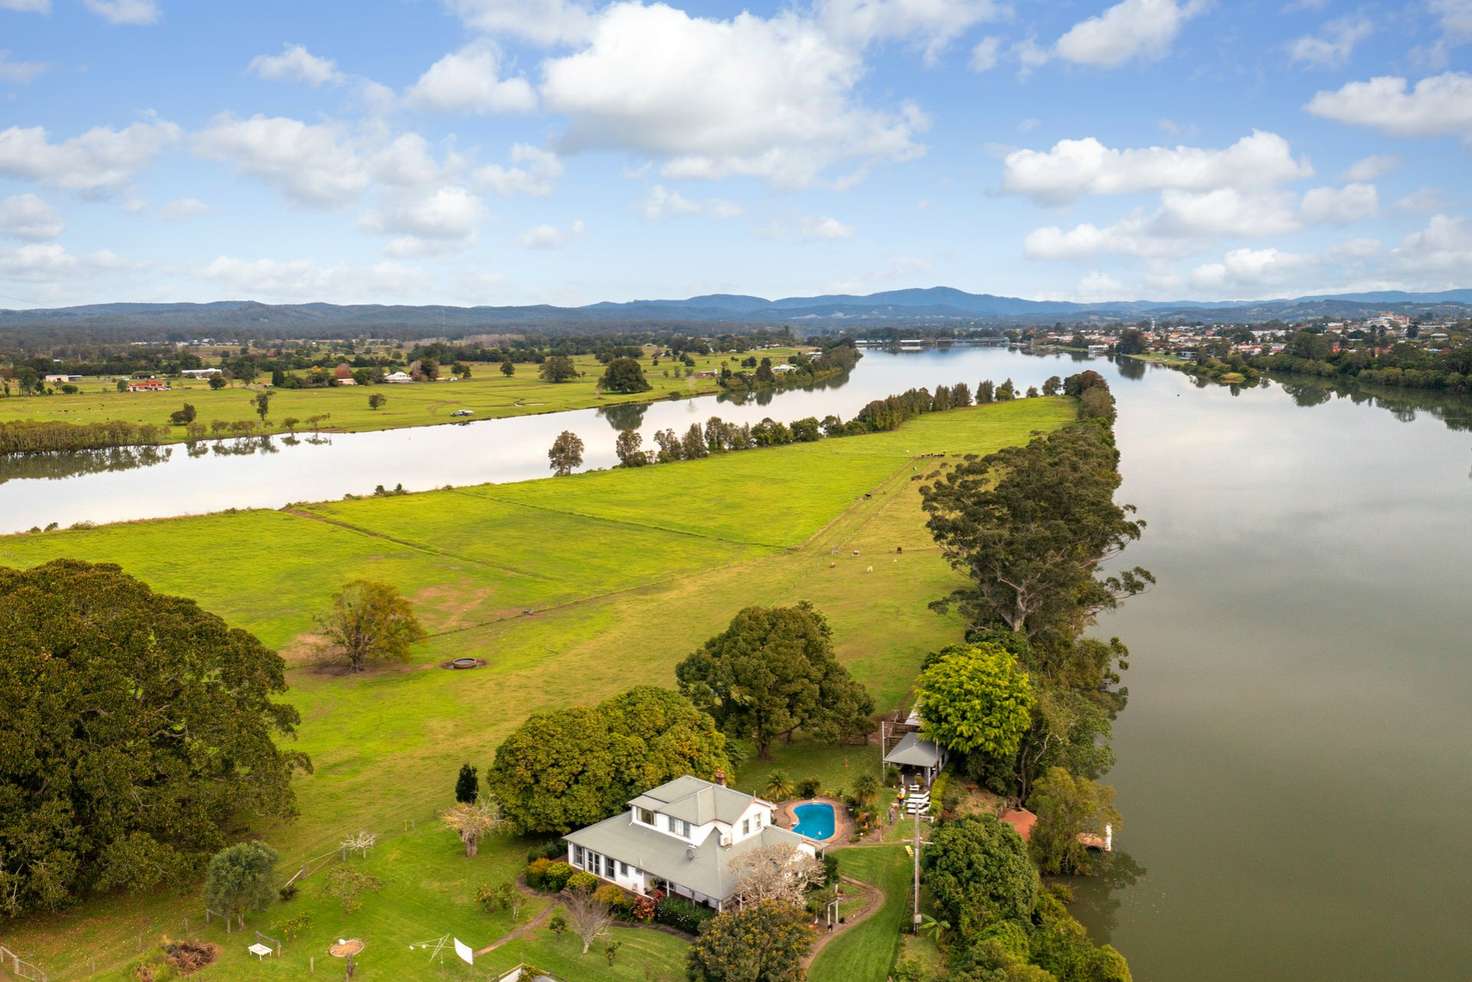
pixel 623 572
pixel 868 950
pixel 488 393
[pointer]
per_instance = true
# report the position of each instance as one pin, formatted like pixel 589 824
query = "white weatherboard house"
pixel 681 837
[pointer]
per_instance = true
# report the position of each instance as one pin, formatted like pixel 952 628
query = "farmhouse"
pixel 78 378
pixel 148 385
pixel 681 837
pixel 201 372
pixel 399 378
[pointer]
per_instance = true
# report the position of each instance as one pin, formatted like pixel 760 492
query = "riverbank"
pixel 486 394
pixel 598 558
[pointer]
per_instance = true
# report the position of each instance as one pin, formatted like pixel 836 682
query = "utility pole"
pixel 915 918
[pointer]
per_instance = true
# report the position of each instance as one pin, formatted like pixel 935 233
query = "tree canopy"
pixel 976 699
pixel 567 768
pixel 624 375
pixel 239 880
pixel 1067 806
pixel 978 871
pixel 763 942
pixel 1030 525
pixel 566 453
pixel 370 621
pixel 558 368
pixel 136 728
pixel 773 672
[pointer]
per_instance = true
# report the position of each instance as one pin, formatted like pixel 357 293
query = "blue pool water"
pixel 814 820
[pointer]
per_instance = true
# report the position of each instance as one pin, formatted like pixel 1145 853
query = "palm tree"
pixel 933 929
pixel 778 786
pixel 865 788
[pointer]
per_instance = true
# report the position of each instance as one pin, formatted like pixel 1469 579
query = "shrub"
pixel 558 923
pixel 557 875
pixel 535 873
pixel 551 849
pixel 681 914
pixel 287 893
pixel 618 900
pixel 582 882
pixel 642 910
pixel 288 929
pixel 809 787
pixel 830 869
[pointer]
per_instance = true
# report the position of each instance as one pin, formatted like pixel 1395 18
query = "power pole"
pixel 915 918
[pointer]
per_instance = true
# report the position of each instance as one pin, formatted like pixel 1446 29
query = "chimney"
pixel 721 778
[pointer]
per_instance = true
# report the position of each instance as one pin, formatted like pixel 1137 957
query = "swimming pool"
pixel 814 820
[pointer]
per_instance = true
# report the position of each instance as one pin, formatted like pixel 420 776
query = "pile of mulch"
pixel 190 956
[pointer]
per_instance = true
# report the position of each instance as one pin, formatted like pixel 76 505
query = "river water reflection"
pixel 1295 763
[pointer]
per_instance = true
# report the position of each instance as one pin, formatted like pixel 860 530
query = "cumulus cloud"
pixel 27 6
pixel 663 202
pixel 1422 199
pixel 769 98
pixel 534 172
pixel 1444 246
pixel 1438 105
pixel 469 81
pixel 1372 167
pixel 405 162
pixel 442 217
pixel 1077 167
pixel 551 236
pixel 296 63
pixel 18 72
pixel 129 12
pixel 98 162
pixel 51 263
pixel 25 216
pixel 931 24
pixel 539 21
pixel 1455 17
pixel 985 54
pixel 302 280
pixel 1332 46
pixel 1341 206
pixel 313 163
pixel 181 208
pixel 1132 29
pixel 1249 268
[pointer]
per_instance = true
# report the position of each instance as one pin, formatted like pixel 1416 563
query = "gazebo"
pixel 916 754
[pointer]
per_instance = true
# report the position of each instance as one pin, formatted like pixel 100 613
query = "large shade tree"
pixel 976 699
pixel 370 621
pixel 567 768
pixel 136 729
pixel 762 942
pixel 978 872
pixel 773 672
pixel 624 375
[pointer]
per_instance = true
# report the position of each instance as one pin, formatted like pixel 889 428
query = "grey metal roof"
pixel 696 801
pixel 914 751
pixel 705 868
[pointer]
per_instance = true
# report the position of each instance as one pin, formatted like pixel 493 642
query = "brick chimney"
pixel 721 778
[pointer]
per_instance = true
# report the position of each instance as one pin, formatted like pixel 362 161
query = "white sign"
pixel 463 951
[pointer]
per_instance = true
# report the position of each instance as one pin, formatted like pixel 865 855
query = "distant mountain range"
pixel 940 306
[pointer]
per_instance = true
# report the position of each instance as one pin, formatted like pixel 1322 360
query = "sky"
pixel 566 152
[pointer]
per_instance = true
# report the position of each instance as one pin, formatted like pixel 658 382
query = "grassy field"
pixel 869 950
pixel 488 393
pixel 625 573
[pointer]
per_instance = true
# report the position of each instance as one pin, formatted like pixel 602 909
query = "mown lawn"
pixel 624 578
pixel 867 952
pixel 487 392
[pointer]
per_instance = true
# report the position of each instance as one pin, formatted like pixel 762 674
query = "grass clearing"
pixel 867 951
pixel 488 393
pixel 621 595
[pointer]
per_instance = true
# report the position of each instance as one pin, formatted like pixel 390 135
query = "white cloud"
pixel 986 54
pixel 25 216
pixel 27 6
pixel 769 98
pixel 50 263
pixel 100 161
pixel 1030 56
pixel 1077 167
pixel 535 172
pixel 1341 206
pixel 551 236
pixel 541 21
pixel 1334 45
pixel 1444 246
pixel 931 24
pixel 469 81
pixel 1249 268
pixel 132 12
pixel 1423 199
pixel 312 163
pixel 1372 167
pixel 1143 29
pixel 1356 249
pixel 1437 105
pixel 19 72
pixel 405 162
pixel 1184 220
pixel 663 202
pixel 809 228
pixel 181 208
pixel 1455 17
pixel 296 63
pixel 303 280
pixel 444 215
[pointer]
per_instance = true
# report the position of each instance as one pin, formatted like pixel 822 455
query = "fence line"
pixel 22 968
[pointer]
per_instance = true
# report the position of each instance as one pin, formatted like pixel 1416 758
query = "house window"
pixel 680 827
pixel 746 826
pixel 623 869
pixel 577 856
pixel 646 816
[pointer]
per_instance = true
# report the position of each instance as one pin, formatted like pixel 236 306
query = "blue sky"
pixel 497 152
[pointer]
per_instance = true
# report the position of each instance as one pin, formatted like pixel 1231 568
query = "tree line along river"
pixel 1295 763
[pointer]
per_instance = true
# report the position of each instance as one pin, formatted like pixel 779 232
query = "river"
pixel 1295 763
